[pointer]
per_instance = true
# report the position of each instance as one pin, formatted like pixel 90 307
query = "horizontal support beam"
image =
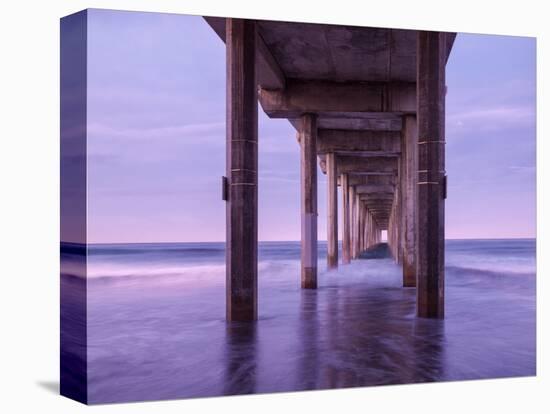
pixel 325 98
pixel 366 142
pixel 376 165
pixel 392 123
pixel 367 154
pixel 376 196
pixel 361 156
pixel 373 173
pixel 374 189
pixel 380 214
pixel 356 179
pixel 389 123
pixel 377 203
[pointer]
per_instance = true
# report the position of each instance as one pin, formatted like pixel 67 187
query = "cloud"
pixel 189 131
pixel 493 118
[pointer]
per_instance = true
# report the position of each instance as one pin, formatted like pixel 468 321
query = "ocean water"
pixel 156 324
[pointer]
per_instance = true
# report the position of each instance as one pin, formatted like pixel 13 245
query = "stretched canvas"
pixel 253 206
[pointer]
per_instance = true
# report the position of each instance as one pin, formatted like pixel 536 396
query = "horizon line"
pixel 283 241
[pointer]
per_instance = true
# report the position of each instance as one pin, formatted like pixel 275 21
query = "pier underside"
pixel 368 105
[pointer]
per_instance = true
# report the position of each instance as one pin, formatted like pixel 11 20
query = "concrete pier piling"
pixel 373 118
pixel 242 167
pixel 332 211
pixel 308 184
pixel 408 181
pixel 354 221
pixel 346 253
pixel 430 237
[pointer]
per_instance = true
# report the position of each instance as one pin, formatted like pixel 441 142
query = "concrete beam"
pixel 376 196
pixel 355 179
pixel 351 141
pixel 381 218
pixel 335 99
pixel 371 173
pixel 356 165
pixel 379 214
pixel 366 156
pixel 378 208
pixel 384 213
pixel 389 123
pixel 269 74
pixel 374 189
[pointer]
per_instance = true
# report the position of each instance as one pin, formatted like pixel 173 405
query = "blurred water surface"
pixel 157 329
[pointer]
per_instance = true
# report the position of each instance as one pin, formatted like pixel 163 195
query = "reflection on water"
pixel 159 337
pixel 240 359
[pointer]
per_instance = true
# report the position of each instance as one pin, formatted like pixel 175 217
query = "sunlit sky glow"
pixel 156 136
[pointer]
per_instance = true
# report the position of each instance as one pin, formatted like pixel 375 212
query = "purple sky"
pixel 156 137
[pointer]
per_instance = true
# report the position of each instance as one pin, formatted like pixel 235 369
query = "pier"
pixel 368 105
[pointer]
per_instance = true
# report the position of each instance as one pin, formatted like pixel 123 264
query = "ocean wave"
pixel 105 251
pixel 278 261
pixel 480 271
pixel 112 271
pixel 277 269
pixel 202 272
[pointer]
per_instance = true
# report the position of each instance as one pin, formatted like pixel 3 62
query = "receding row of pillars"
pixel 416 222
pixel 360 229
